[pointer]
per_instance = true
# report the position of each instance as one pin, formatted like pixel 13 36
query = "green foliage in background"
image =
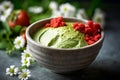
pixel 6 33
pixel 24 4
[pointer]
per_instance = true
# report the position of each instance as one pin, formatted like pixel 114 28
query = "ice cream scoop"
pixel 61 37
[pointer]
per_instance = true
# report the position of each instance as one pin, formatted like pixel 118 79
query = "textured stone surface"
pixel 105 67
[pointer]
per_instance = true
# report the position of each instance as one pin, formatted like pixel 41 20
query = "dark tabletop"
pixel 105 67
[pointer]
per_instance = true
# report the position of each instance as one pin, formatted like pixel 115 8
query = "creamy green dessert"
pixel 61 37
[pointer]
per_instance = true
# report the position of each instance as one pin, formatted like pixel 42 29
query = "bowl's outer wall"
pixel 59 60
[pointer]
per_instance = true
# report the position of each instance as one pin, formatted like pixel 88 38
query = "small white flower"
pixel 26 62
pixel 81 14
pixel 53 5
pixel 7 5
pixel 6 8
pixel 99 16
pixel 12 70
pixel 19 42
pixel 35 9
pixel 26 54
pixel 67 9
pixel 56 14
pixel 24 75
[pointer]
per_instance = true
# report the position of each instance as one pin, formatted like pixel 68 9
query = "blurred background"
pixel 87 7
pixel 106 12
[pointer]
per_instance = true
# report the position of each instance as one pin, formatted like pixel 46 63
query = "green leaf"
pixel 94 4
pixel 22 67
pixel 7 27
pixel 10 50
pixel 17 29
pixel 4 44
pixel 1 25
pixel 2 34
pixel 35 17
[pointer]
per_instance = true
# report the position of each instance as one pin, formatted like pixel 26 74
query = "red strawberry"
pixel 75 24
pixel 55 25
pixel 86 38
pixel 90 42
pixel 77 28
pixel 59 19
pixel 97 37
pixel 90 23
pixel 91 38
pixel 56 22
pixel 88 31
pixel 47 25
pixel 82 27
pixel 96 26
pixel 63 23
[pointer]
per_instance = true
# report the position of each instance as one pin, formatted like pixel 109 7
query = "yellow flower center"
pixel 11 70
pixel 99 19
pixel 6 6
pixel 25 62
pixel 18 42
pixel 24 75
pixel 65 9
pixel 27 55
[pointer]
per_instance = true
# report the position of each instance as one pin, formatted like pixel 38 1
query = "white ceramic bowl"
pixel 61 60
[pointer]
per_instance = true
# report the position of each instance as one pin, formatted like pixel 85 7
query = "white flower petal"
pixel 68 14
pixel 8 73
pixel 19 42
pixel 29 75
pixel 12 66
pixel 66 7
pixel 7 69
pixel 3 16
pixel 99 16
pixel 7 4
pixel 24 75
pixel 81 14
pixel 20 76
pixel 16 70
pixel 1 7
pixel 25 62
pixel 35 9
pixel 53 5
pixel 6 8
pixel 17 46
pixel 56 14
pixel 12 70
pixel 26 54
pixel 11 74
pixel 67 10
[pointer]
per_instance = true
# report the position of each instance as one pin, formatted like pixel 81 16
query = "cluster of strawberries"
pixel 91 30
pixel 56 22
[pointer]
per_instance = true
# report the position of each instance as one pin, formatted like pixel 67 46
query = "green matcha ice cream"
pixel 61 37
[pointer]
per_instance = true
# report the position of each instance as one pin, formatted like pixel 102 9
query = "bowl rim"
pixel 28 37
